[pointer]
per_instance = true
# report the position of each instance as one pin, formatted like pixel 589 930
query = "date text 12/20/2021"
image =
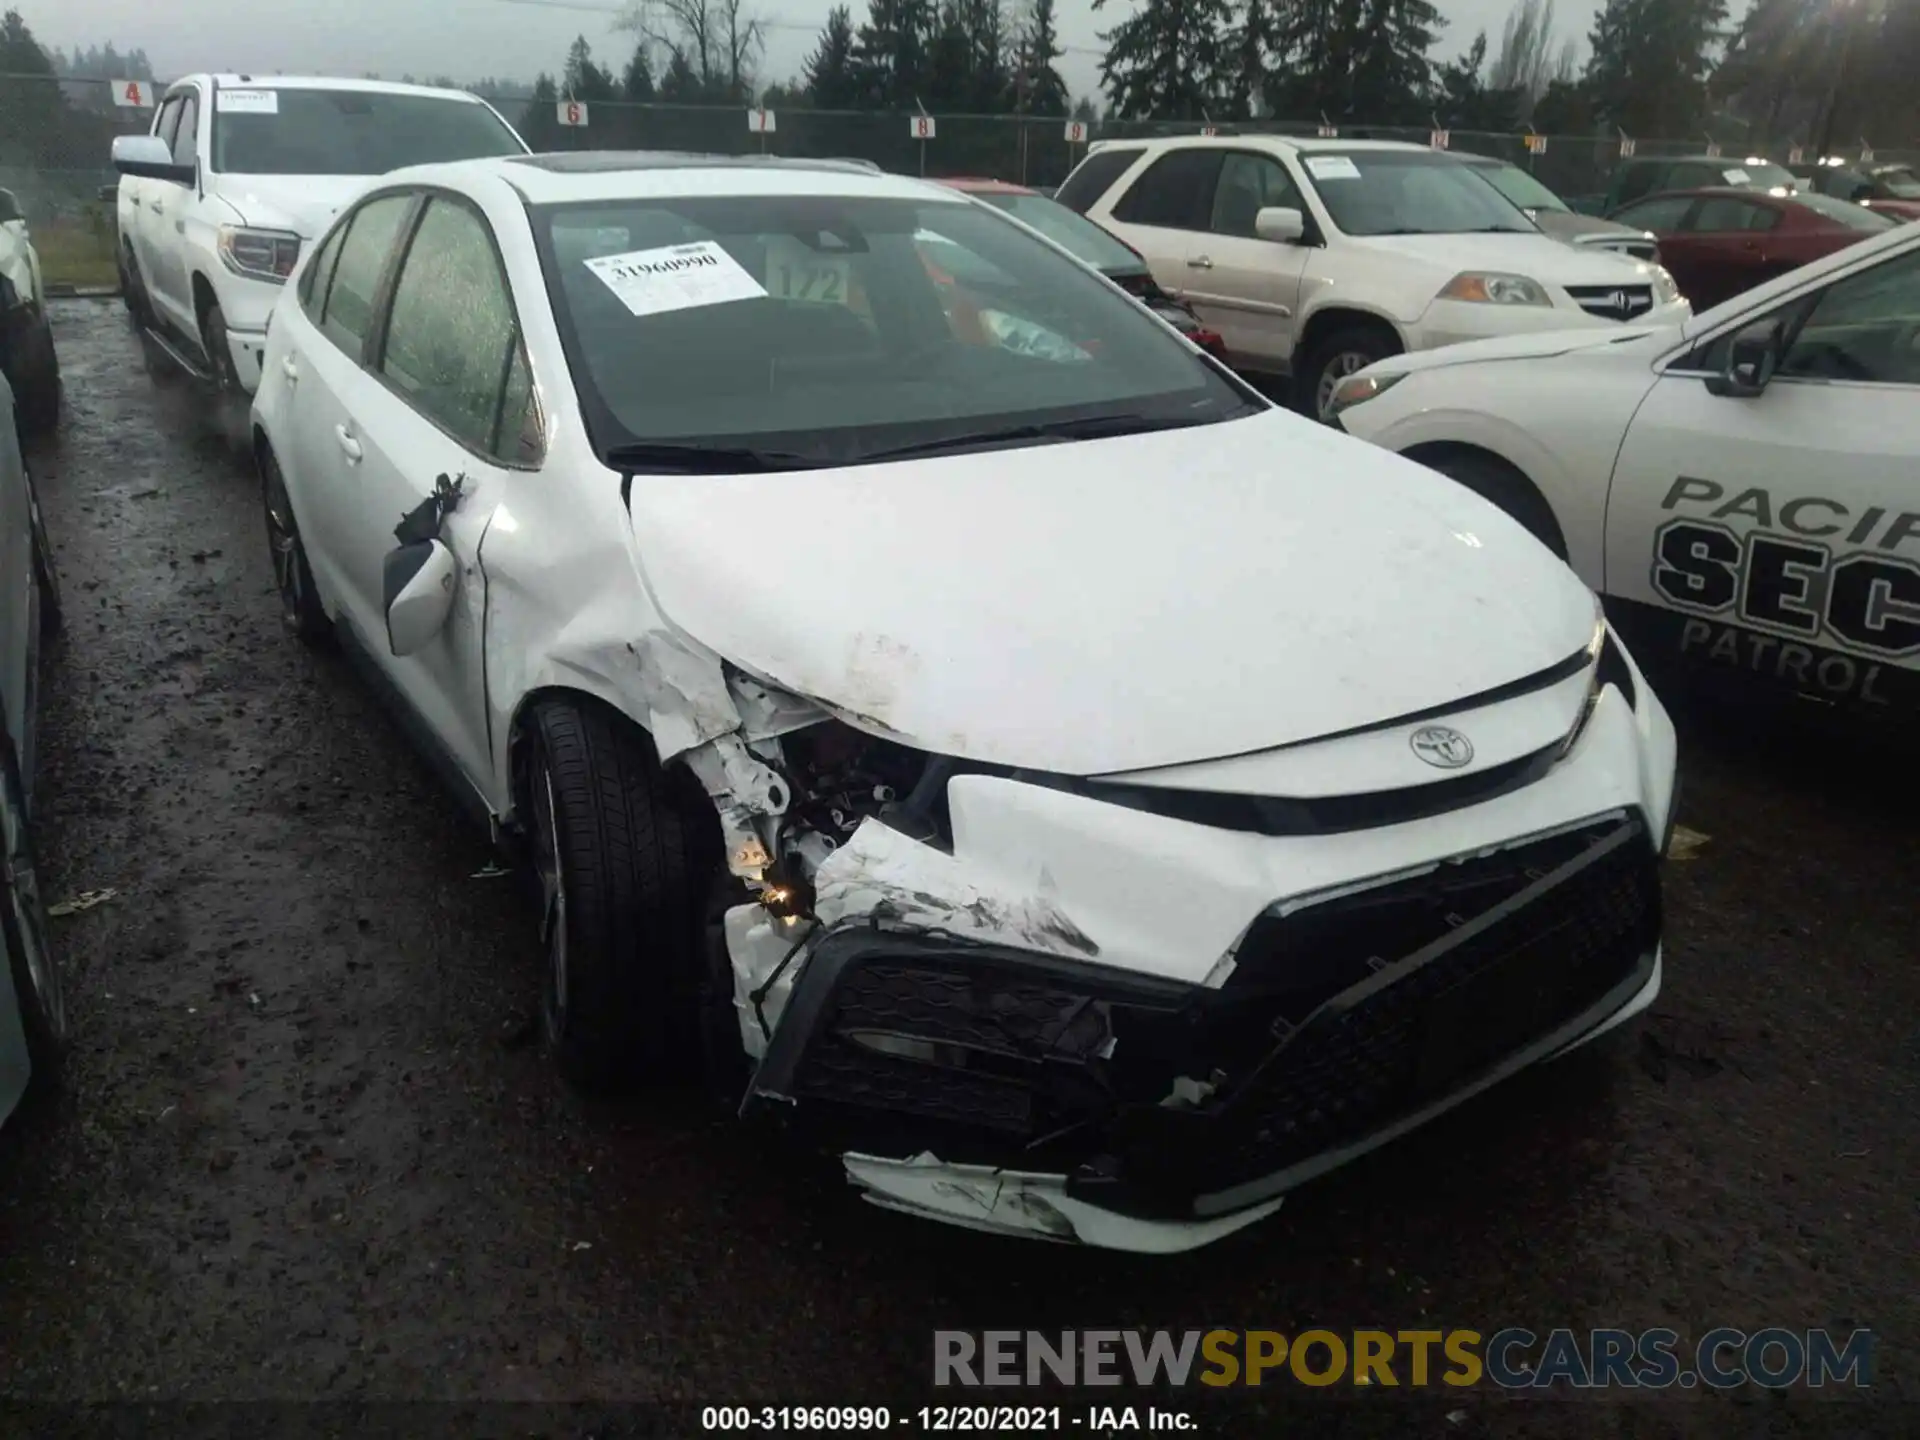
pixel 947 1419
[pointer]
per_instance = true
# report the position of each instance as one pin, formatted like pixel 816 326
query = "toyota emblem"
pixel 1441 746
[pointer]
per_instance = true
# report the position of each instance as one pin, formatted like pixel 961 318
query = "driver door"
pixel 1779 534
pixel 1249 288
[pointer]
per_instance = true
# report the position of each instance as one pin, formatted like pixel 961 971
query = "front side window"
pixel 791 331
pixel 1863 328
pixel 1719 214
pixel 1409 192
pixel 451 336
pixel 186 137
pixel 166 124
pixel 1175 193
pixel 1898 181
pixel 1093 177
pixel 356 275
pixel 1248 184
pixel 260 130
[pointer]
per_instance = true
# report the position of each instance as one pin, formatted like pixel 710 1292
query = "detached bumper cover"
pixel 1075 1100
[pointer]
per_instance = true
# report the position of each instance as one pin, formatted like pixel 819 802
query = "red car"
pixel 1086 241
pixel 1721 242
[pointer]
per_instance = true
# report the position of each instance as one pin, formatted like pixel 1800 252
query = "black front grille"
pixel 1338 1021
pixel 1613 302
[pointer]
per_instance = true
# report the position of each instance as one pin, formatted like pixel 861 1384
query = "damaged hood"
pixel 304 204
pixel 1113 605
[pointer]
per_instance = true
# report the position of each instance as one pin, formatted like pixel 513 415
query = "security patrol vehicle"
pixel 1744 488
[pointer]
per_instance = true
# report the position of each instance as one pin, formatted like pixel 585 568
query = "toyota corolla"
pixel 941 704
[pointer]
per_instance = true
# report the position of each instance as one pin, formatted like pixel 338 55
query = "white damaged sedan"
pixel 939 702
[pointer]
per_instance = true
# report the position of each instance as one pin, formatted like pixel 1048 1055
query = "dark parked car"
pixel 32 1015
pixel 1645 175
pixel 1085 240
pixel 1555 217
pixel 1891 189
pixel 1720 242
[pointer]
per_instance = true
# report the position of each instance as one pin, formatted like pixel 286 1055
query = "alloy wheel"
pixel 1347 362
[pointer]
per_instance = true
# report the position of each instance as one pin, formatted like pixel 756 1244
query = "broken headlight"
pixel 1606 665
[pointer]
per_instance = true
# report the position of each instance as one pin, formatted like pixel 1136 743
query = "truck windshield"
pixel 260 130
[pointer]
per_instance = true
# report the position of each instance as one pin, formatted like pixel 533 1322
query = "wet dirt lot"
pixel 308 1148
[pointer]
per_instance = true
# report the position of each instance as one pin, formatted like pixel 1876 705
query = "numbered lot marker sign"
pixel 132 94
pixel 1627 147
pixel 1076 132
pixel 920 127
pixel 1536 144
pixel 572 112
pixel 760 122
pixel 1440 139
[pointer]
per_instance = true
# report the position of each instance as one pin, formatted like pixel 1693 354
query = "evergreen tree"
pixel 1165 61
pixel 682 84
pixel 637 83
pixel 1038 88
pixel 832 78
pixel 989 81
pixel 582 79
pixel 1648 73
pixel 1392 75
pixel 891 53
pixel 1252 47
pixel 540 124
pixel 949 77
pixel 31 109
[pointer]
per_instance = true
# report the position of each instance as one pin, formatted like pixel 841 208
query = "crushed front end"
pixel 1135 1015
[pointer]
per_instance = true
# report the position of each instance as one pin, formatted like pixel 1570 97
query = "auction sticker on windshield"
pixel 1736 177
pixel 1332 167
pixel 247 102
pixel 675 277
pixel 795 272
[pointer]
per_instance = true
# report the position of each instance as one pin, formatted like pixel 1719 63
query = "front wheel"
pixel 622 875
pixel 213 336
pixel 1332 359
pixel 23 932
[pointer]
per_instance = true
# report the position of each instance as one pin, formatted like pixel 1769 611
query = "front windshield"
pixel 1845 212
pixel 1410 192
pixel 1521 188
pixel 828 329
pixel 1072 232
pixel 266 131
pixel 1901 183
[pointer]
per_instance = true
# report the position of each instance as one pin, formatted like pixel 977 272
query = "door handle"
pixel 179 227
pixel 155 206
pixel 1199 262
pixel 291 370
pixel 348 443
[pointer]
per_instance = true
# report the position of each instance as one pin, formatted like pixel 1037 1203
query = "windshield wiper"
pixel 664 458
pixel 1096 428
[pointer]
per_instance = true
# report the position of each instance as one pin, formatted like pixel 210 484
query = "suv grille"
pixel 1613 302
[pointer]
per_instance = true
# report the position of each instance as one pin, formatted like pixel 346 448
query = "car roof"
pixel 981 185
pixel 328 82
pixel 1300 144
pixel 577 175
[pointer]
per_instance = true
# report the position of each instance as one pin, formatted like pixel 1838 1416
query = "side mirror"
pixel 417 584
pixel 1281 224
pixel 10 208
pixel 1752 356
pixel 148 157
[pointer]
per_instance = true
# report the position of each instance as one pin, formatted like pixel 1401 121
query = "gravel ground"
pixel 308 1149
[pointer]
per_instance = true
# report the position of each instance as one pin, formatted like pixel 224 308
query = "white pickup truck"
pixel 240 172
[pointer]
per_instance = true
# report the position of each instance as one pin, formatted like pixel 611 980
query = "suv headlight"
pixel 259 254
pixel 1358 389
pixel 1496 289
pixel 1665 289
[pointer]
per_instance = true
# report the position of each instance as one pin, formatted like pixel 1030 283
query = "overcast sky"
pixel 515 39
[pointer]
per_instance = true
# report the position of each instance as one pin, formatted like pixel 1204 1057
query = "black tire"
pixel 1335 356
pixel 213 338
pixel 48 579
pixel 624 880
pixel 300 608
pixel 37 391
pixel 1494 480
pixel 23 929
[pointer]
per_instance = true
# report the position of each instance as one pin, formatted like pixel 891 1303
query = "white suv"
pixel 1317 257
pixel 240 172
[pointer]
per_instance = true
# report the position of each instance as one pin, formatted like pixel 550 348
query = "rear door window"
pixel 1176 193
pixel 1094 177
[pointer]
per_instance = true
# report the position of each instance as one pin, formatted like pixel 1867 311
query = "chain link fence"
pixel 55 135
